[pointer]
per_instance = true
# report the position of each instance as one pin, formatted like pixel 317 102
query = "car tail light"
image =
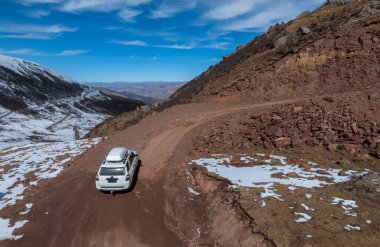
pixel 127 177
pixel 97 177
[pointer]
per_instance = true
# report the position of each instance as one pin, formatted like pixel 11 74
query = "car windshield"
pixel 112 171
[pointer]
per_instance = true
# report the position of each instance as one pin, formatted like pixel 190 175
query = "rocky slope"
pixel 38 104
pixel 334 49
pixel 337 123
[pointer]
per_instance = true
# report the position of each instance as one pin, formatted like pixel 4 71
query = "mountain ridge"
pixel 37 104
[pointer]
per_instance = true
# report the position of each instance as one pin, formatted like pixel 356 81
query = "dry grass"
pixel 120 122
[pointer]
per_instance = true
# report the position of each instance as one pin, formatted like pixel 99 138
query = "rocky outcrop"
pixel 339 2
pixel 337 125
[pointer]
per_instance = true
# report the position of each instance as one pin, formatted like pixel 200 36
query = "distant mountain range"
pixel 149 92
pixel 37 104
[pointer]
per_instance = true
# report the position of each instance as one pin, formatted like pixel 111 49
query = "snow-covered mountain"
pixel 37 104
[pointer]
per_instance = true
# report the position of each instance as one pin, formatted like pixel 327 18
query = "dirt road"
pixel 69 211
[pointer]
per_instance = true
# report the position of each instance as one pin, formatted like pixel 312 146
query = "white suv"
pixel 118 170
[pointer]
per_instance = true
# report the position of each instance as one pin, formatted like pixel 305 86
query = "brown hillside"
pixel 334 49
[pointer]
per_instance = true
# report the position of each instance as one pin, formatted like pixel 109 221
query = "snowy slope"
pixel 37 104
pixel 24 68
pixel 22 168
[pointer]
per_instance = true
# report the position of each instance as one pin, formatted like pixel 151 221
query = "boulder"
pixel 323 172
pixel 374 96
pixel 282 142
pixel 328 99
pixel 297 109
pixel 332 147
pixel 274 131
pixel 292 175
pixel 342 173
pixel 296 142
pixel 304 30
pixel 276 118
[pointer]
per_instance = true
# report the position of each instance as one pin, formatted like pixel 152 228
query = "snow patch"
pixel 28 208
pixel 262 176
pixel 347 205
pixel 192 191
pixel 44 160
pixel 307 207
pixel 304 217
pixel 349 227
pixel 6 229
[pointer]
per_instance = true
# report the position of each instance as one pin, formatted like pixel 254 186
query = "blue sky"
pixel 136 40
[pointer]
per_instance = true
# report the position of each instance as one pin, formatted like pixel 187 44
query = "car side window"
pixel 131 159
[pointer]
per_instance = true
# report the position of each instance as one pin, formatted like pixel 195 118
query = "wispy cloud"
pixel 112 28
pixel 28 2
pixel 189 46
pixel 26 31
pixel 130 42
pixel 38 13
pixel 99 5
pixel 17 51
pixel 27 51
pixel 124 8
pixel 142 43
pixel 27 36
pixel 128 14
pixel 229 10
pixel 169 8
pixel 263 14
pixel 262 20
pixel 71 52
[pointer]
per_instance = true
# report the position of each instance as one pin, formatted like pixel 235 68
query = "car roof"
pixel 116 154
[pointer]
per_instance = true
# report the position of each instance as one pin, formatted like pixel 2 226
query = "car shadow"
pixel 134 182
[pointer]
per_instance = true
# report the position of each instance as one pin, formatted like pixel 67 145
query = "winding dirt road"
pixel 69 211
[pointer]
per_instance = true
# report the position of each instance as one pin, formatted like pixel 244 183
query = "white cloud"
pixel 27 2
pixel 230 10
pixel 177 46
pixel 216 45
pixel 26 31
pixel 21 28
pixel 99 5
pixel 128 14
pixel 17 51
pixel 130 42
pixel 261 20
pixel 71 52
pixel 27 51
pixel 38 13
pixel 169 8
pixel 27 36
pixel 189 46
pixel 112 28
